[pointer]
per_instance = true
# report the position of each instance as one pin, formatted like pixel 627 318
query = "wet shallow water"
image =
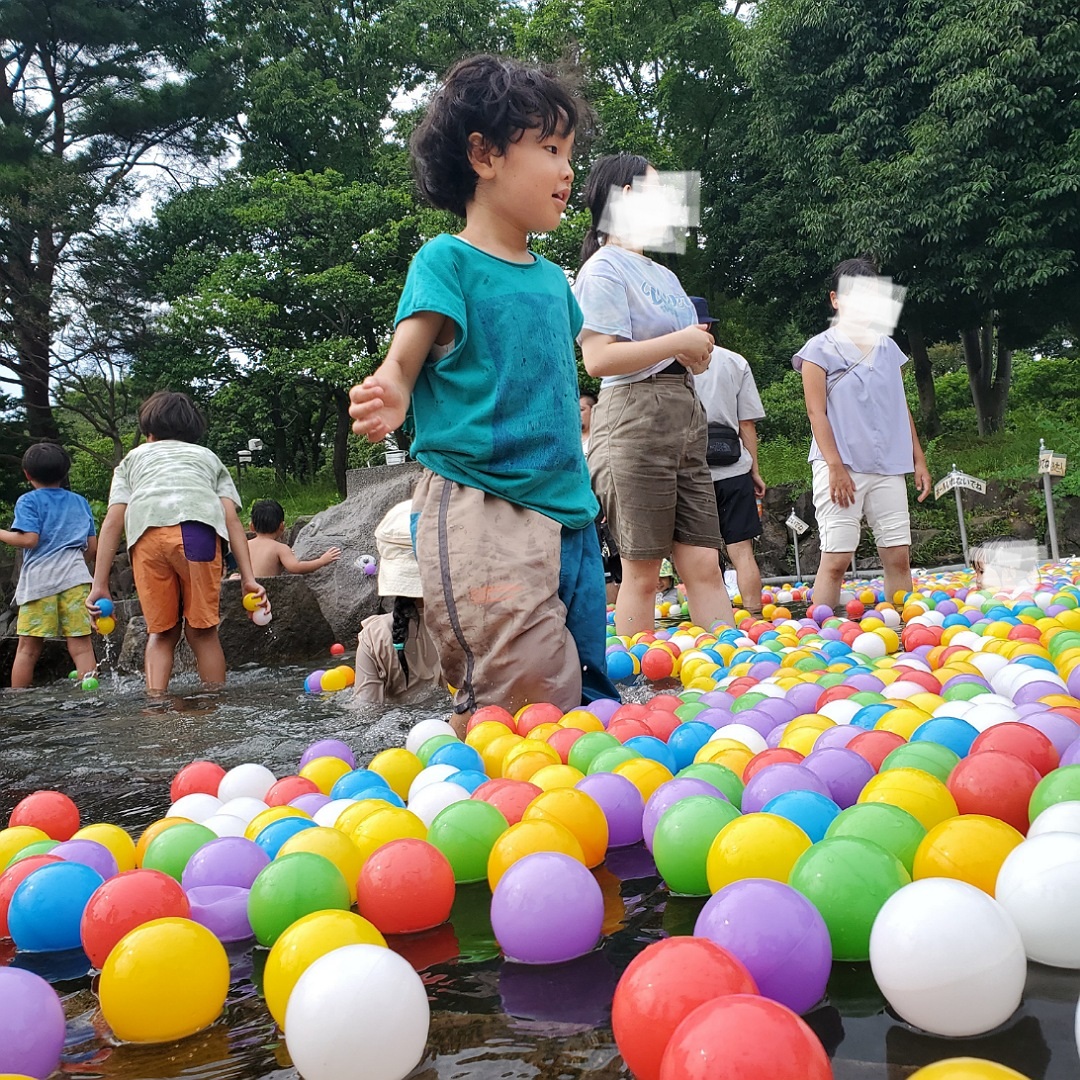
pixel 491 1019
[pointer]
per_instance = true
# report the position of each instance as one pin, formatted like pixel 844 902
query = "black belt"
pixel 674 368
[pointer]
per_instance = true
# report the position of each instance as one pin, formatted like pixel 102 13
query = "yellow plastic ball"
pixel 333 680
pixel 393 823
pixel 904 721
pixel 485 733
pixel 106 624
pixel 251 601
pixel 801 737
pixel 310 937
pixel 923 796
pixel 970 847
pixel 115 839
pixel 735 758
pixel 646 775
pixel 496 750
pixel 14 839
pixel 541 732
pixel 554 777
pixel 398 767
pixel 163 981
pixel 152 830
pixel 754 846
pixel 526 838
pixel 525 765
pixel 966 1069
pixel 325 772
pixel 333 845
pixel 578 812
pixel 351 816
pixel 269 815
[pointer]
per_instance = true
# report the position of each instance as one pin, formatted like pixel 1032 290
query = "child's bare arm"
pixel 91 550
pixel 379 404
pixel 306 566
pixel 108 542
pixel 19 539
pixel 604 354
pixel 239 544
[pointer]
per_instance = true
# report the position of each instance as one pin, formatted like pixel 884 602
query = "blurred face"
pixel 586 405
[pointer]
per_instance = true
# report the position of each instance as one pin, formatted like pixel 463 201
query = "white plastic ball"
pixel 225 825
pixel 753 740
pixel 328 813
pixel 869 644
pixel 902 689
pixel 244 808
pixel 360 1010
pixel 427 729
pixel 248 781
pixel 948 957
pixel 1039 886
pixel 890 618
pixel 431 800
pixel 197 806
pixel 433 774
pixel 988 713
pixel 1060 817
pixel 839 711
pixel 261 617
pixel 958 709
pixel 988 664
pixel 768 689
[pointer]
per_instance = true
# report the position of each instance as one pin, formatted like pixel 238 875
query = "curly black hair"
pixel 497 98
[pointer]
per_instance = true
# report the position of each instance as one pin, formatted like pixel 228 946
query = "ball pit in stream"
pixel 897 782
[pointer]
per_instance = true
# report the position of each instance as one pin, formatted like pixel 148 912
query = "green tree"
pixel 941 139
pixel 91 92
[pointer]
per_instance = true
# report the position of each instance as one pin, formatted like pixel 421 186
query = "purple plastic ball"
pixel 90 853
pixel 547 909
pixel 223 910
pixel 329 748
pixel 666 796
pixel 804 696
pixel 845 773
pixel 776 779
pixel 778 935
pixel 1072 754
pixel 838 736
pixel 371 569
pixel 31 1024
pixel 622 804
pixel 232 860
pixel 310 802
pixel 603 709
pixel 1060 730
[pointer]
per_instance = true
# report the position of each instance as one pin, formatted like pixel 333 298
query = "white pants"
pixel 881 499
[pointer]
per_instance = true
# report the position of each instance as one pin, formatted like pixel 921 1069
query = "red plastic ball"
pixel 667 702
pixel 405 887
pixel 509 797
pixel 286 789
pixel 626 729
pixel 540 712
pixel 13 877
pixel 662 723
pixel 337 649
pixel 125 902
pixel 492 712
pixel 560 741
pixel 661 987
pixel 50 811
pixel 836 693
pixel 657 663
pixel 199 777
pixel 744 1037
pixel 769 757
pixel 995 784
pixel 876 746
pixel 855 609
pixel 1022 741
pixel 630 711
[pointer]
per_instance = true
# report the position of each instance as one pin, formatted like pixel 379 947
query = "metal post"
pixel 963 527
pixel 798 569
pixel 1051 522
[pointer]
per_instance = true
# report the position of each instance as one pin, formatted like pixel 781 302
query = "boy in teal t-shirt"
pixel 483 349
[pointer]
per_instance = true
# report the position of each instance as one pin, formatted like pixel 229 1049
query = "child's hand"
pixel 96 594
pixel 331 555
pixel 377 407
pixel 252 586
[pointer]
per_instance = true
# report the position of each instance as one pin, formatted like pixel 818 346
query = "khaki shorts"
pixel 170 586
pixel 881 499
pixel 490 573
pixel 63 615
pixel 647 462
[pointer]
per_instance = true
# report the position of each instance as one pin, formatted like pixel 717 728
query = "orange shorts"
pixel 170 586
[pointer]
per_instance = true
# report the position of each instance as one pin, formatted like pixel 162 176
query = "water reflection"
pixel 114 752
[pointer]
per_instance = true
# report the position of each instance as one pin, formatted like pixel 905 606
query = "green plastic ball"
pixel 725 780
pixel 883 824
pixel 931 757
pixel 171 849
pixel 607 759
pixel 431 745
pixel 89 683
pixel 1061 785
pixel 682 840
pixel 465 832
pixel 587 747
pixel 291 887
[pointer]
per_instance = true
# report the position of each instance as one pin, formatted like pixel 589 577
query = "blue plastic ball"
pixel 810 810
pixel 458 754
pixel 47 908
pixel 105 606
pixel 358 784
pixel 620 666
pixel 271 838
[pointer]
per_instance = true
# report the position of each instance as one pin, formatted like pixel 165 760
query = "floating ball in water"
pixel 405 887
pixel 31 1024
pixel 89 682
pixel 50 811
pixel 337 649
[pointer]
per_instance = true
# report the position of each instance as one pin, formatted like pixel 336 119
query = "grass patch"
pixel 298 498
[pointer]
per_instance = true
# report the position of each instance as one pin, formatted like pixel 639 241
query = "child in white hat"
pixel 394 653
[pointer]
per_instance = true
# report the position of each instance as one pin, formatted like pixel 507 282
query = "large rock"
pixel 345 593
pixel 297 632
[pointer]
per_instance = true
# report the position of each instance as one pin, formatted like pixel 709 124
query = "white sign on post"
pixel 796 524
pixel 1051 463
pixel 957 479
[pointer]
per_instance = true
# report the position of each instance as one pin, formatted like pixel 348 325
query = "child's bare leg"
pixel 206 645
pixel 26 657
pixel 635 608
pixel 82 654
pixel 159 659
pixel 699 568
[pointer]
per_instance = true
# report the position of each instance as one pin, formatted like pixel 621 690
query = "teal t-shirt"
pixel 499 411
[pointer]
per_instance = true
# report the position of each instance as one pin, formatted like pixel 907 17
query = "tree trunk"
pixel 30 302
pixel 989 367
pixel 341 441
pixel 929 420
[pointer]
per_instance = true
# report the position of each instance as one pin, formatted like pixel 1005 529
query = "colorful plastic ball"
pixel 777 779
pixel 722 778
pixel 47 906
pixel 405 887
pixel 313 682
pixel 31 1025
pixel 994 783
pixel 1061 785
pixel 465 832
pixel 813 813
pixel 779 936
pixel 743 1037
pixel 251 601
pixel 1022 741
pixel 549 778
pixel 324 772
pixel 848 880
pixel 15 838
pixel 390 823
pixel 622 804
pixel 163 981
pixel 666 796
pixel 527 838
pixel 509 797
pixel 171 849
pixel 105 625
pixel 249 781
pixel 198 806
pixel 1038 886
pixel 291 887
pixel 578 812
pixel 428 803
pixel 222 909
pixel 360 1010
pixel 970 847
pixel 436 742
pixel 546 909
pixel 948 958
pixel 875 746
pixel 686 740
pixel 966 1068
pixel 683 839
pixel 844 773
pixel 754 846
pixel 923 796
pixel 283 791
pixel 104 605
pixel 329 748
pixel 273 835
pixel 89 683
pixel 958 735
pixel 421 732
pixel 50 811
pixel 12 878
pixel 90 853
pixel 331 844
pixel 1061 817
pixel 661 987
pixel 302 944
pixel 622 666
pixel 888 826
pixel 587 748
pixel 398 767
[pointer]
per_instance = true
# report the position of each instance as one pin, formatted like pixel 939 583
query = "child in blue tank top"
pixel 483 351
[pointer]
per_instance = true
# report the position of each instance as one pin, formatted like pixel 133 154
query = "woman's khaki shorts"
pixel 647 462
